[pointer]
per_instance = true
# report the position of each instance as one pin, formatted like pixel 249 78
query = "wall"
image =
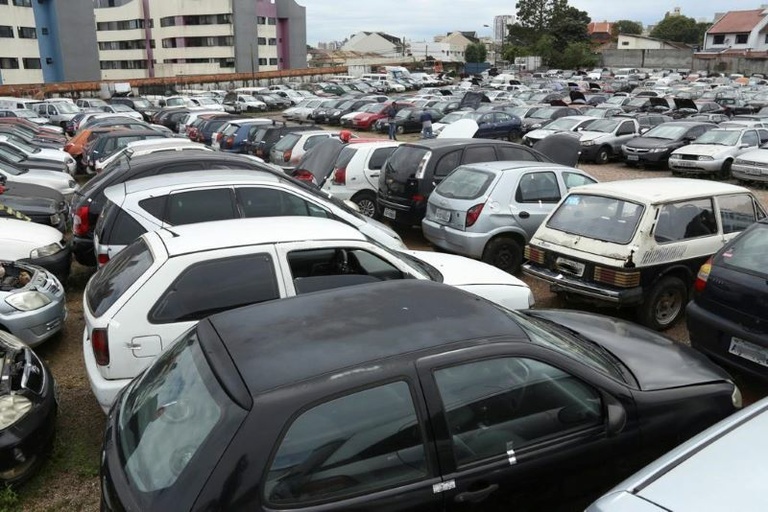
pixel 732 64
pixel 294 46
pixel 246 49
pixel 655 59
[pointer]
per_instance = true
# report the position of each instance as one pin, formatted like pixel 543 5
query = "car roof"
pixel 501 166
pixel 161 142
pixel 152 159
pixel 659 190
pixel 252 120
pixel 340 334
pixel 195 179
pixel 441 143
pixel 207 236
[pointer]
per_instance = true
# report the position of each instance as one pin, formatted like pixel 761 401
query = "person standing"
pixel 426 124
pixel 391 115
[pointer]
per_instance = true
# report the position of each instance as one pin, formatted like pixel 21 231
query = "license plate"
pixel 753 172
pixel 633 157
pixel 389 213
pixel 685 163
pixel 442 215
pixel 570 266
pixel 748 351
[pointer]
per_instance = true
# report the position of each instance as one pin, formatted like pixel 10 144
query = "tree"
pixel 678 28
pixel 626 27
pixel 537 14
pixel 475 52
pixel 569 25
pixel 578 55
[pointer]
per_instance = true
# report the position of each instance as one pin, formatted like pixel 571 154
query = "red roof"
pixel 735 22
pixel 597 27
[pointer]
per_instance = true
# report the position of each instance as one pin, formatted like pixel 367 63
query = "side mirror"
pixel 616 415
pixel 643 130
pixel 744 146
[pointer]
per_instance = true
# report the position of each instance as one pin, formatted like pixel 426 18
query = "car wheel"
pixel 366 201
pixel 505 253
pixel 603 155
pixel 725 170
pixel 665 304
pixel 400 129
pixel 514 136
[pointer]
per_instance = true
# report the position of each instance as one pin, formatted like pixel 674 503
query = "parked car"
pixel 414 169
pixel 655 145
pixel 472 405
pixel 637 243
pixel 489 211
pixel 684 481
pixel 137 206
pixel 352 105
pixel 238 103
pixel 234 134
pixel 713 152
pixel 139 148
pixel 89 201
pixel 270 258
pixel 260 143
pixel 602 140
pixel 42 131
pixel 562 124
pixel 540 117
pixel 408 120
pixel 18 152
pixel 648 120
pixel 24 113
pixel 109 143
pixel 57 113
pixel 751 166
pixel 59 182
pixel 287 152
pixel 355 176
pixel 137 103
pixel 366 120
pixel 39 204
pixel 726 317
pixel 29 411
pixel 36 244
pixel 95 103
pixel 322 111
pixel 211 126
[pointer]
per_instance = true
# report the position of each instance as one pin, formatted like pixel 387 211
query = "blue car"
pixel 497 125
pixel 236 134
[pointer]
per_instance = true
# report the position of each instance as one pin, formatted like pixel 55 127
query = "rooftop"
pixel 734 22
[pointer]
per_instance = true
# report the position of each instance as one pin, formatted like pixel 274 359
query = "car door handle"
pixel 375 175
pixel 524 215
pixel 475 496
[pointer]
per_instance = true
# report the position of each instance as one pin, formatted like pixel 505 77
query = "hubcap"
pixel 367 207
pixel 668 307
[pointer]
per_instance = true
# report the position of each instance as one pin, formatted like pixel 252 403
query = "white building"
pixel 637 42
pixel 20 55
pixel 500 27
pixel 374 42
pixel 739 30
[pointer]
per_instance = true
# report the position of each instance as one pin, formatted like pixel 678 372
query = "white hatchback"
pixel 166 281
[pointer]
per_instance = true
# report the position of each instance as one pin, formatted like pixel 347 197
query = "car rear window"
pixel 114 279
pixel 174 423
pixel 465 183
pixel 602 218
pixel 287 142
pixel 405 161
pixel 749 252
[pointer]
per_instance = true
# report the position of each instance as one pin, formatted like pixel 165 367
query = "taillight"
pixel 472 214
pixel 340 176
pixel 619 278
pixel 703 276
pixel 287 155
pixel 100 346
pixel 304 175
pixel 230 142
pixel 81 224
pixel 102 259
pixel 417 198
pixel 534 254
pixel 219 136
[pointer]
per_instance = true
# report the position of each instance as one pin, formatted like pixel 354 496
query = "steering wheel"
pixel 341 262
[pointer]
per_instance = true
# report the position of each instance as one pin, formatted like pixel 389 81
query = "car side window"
pixel 572 179
pixel 538 187
pixel 333 267
pixel 497 405
pixel 478 154
pixel 626 128
pixel 200 206
pixel 749 138
pixel 448 163
pixel 737 212
pixel 358 443
pixel 269 202
pixel 125 229
pixel 763 136
pixel 378 158
pixel 240 281
pixel 502 117
pixel 514 153
pixel 684 220
pixel 155 206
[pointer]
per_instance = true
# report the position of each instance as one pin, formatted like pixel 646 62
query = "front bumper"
pixel 646 158
pixel 453 240
pixel 694 166
pixel 589 153
pixel 559 282
pixel 34 327
pixel 748 172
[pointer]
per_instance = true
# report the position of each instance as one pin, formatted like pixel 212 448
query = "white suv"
pixel 356 173
pixel 166 281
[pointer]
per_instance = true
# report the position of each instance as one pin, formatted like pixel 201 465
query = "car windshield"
pixel 665 131
pixel 608 219
pixel 603 126
pixel 207 101
pixel 638 102
pixel 10 170
pixel 345 105
pixel 371 108
pixel 142 104
pixel 114 279
pixel 404 113
pixel 543 113
pixel 748 252
pixel 117 107
pixel 405 161
pixel 719 137
pixel 563 123
pixel 67 108
pixel 26 113
pixel 28 148
pixel 554 336
pixel 452 117
pixel 10 154
pixel 174 423
pixel 465 183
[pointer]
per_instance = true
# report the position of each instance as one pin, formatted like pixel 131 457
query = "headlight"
pixel 55 219
pixel 72 183
pixel 658 150
pixel 587 143
pixel 706 158
pixel 42 252
pixel 624 147
pixel 70 160
pixel 336 112
pixel 736 398
pixel 28 301
pixel 535 126
pixel 12 409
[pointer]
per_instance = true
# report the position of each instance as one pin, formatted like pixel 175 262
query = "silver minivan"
pixel 489 211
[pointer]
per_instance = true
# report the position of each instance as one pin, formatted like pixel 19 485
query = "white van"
pixel 8 102
pixel 375 77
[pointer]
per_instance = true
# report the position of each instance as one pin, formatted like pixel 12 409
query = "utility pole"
pixel 253 68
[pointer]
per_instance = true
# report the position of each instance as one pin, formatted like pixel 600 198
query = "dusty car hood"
pixel 587 135
pixel 705 150
pixel 651 142
pixel 540 133
pixel 458 270
pixel 655 361
pixel 18 238
pixel 757 155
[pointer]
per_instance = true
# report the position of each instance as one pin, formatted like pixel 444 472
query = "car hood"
pixel 19 237
pixel 706 150
pixel 650 142
pixel 587 135
pixel 458 270
pixel 756 155
pixel 655 361
pixel 51 154
pixel 54 179
pixel 30 205
pixel 685 103
pixel 540 133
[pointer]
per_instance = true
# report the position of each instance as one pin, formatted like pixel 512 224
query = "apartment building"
pixel 123 39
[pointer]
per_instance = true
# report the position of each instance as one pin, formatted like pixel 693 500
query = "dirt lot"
pixel 69 481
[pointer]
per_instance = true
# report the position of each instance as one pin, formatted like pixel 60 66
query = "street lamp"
pixel 493 43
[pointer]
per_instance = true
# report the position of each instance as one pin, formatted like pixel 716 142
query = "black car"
pixel 655 145
pixel 322 113
pixel 353 105
pixel 413 171
pixel 728 316
pixel 37 203
pixel 402 396
pixel 408 120
pixel 137 103
pixel 88 202
pixel 260 144
pixel 544 115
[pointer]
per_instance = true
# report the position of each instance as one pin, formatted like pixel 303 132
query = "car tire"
pixel 725 170
pixel 603 155
pixel 400 129
pixel 366 201
pixel 665 305
pixel 515 136
pixel 504 252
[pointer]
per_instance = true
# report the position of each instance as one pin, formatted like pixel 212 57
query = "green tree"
pixel 678 28
pixel 569 25
pixel 626 27
pixel 578 55
pixel 475 52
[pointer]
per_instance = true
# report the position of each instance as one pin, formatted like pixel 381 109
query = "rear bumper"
pixel 563 283
pixel 82 248
pixel 402 214
pixel 453 240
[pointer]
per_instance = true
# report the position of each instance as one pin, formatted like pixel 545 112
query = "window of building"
pixel 22 3
pixel 136 44
pixel 44 31
pixel 271 21
pixel 261 41
pixel 3 2
pixel 198 42
pixel 718 39
pixel 6 31
pixel 742 38
pixel 9 63
pixel 625 43
pixel 27 32
pixel 273 62
pixel 261 20
pixel 122 25
pixel 203 19
pixel 30 63
pixel 272 41
pixel 262 62
pixel 123 64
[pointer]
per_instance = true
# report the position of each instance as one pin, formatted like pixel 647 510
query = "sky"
pixel 420 20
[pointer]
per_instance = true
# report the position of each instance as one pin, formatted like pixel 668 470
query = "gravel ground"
pixel 69 481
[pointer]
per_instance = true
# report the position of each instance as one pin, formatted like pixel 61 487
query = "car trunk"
pixel 462 194
pixel 400 180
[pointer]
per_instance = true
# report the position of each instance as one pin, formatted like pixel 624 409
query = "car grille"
pixel 748 163
pixel 690 157
pixel 636 150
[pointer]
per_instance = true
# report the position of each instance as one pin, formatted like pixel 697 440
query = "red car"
pixel 367 120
